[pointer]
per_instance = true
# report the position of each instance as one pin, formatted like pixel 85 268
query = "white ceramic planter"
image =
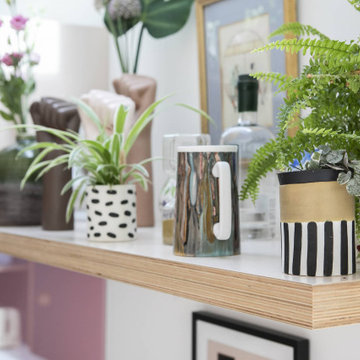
pixel 111 213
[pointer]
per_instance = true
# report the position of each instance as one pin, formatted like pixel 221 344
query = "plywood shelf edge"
pixel 294 301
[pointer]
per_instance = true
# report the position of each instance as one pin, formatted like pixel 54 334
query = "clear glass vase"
pixel 168 192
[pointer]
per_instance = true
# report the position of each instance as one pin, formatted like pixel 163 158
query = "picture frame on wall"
pixel 215 337
pixel 228 31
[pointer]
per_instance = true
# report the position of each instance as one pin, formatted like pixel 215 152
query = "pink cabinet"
pixel 63 312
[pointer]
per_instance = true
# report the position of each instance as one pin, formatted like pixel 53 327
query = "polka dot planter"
pixel 111 213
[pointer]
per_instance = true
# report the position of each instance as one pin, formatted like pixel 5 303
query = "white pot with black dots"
pixel 111 213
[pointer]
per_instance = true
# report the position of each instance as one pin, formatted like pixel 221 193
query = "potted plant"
pixel 106 180
pixel 317 202
pixel 128 21
pixel 17 82
pixel 160 18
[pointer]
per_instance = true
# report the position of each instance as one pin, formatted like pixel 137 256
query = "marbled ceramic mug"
pixel 206 209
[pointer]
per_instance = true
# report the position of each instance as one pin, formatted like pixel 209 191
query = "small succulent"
pixel 326 158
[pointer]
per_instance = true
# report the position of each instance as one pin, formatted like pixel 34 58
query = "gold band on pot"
pixel 317 201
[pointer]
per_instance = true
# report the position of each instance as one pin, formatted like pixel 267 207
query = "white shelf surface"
pixel 249 283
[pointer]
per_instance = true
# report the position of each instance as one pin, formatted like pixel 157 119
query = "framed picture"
pixel 218 338
pixel 228 31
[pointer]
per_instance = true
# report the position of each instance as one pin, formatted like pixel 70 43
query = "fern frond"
pixel 288 113
pixel 353 81
pixel 355 3
pixel 334 48
pixel 262 162
pixel 276 78
pixel 298 29
pixel 330 134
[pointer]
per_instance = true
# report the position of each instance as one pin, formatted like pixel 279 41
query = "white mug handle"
pixel 222 229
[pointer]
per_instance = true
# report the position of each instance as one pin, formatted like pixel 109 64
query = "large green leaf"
pixel 165 17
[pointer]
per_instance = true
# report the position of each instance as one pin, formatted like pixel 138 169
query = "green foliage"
pixel 281 80
pixel 349 174
pixel 101 161
pixel 355 3
pixel 160 18
pixel 16 77
pixel 165 17
pixel 334 50
pixel 279 155
pixel 12 91
pixel 297 29
pixel 328 89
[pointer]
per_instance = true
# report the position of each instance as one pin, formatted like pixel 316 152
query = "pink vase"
pixel 142 90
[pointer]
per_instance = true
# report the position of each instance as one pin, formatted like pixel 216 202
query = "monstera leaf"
pixel 164 17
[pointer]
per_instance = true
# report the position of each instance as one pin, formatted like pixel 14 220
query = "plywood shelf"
pixel 252 284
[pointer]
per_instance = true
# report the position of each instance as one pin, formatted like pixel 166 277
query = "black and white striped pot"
pixel 111 212
pixel 317 224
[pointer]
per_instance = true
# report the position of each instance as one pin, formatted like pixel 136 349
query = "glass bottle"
pixel 167 195
pixel 257 221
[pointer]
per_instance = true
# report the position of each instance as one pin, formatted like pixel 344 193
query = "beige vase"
pixel 142 90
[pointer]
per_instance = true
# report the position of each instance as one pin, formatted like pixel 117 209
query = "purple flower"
pixel 18 22
pixel 34 58
pixel 1 22
pixel 7 60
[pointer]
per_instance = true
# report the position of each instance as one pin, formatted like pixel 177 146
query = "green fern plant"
pixel 328 88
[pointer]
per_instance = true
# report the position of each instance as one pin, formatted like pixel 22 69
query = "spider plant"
pixel 98 162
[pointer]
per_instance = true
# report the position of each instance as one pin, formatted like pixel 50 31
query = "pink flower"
pixel 18 22
pixel 7 60
pixel 12 59
pixel 17 56
pixel 1 22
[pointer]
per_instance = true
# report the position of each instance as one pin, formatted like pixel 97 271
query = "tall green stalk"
pixel 138 49
pixel 115 37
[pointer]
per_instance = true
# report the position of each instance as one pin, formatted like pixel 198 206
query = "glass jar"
pixel 167 195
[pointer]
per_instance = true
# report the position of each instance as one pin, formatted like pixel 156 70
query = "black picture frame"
pixel 300 345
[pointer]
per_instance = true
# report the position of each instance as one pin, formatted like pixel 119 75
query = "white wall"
pixel 68 36
pixel 78 12
pixel 143 324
